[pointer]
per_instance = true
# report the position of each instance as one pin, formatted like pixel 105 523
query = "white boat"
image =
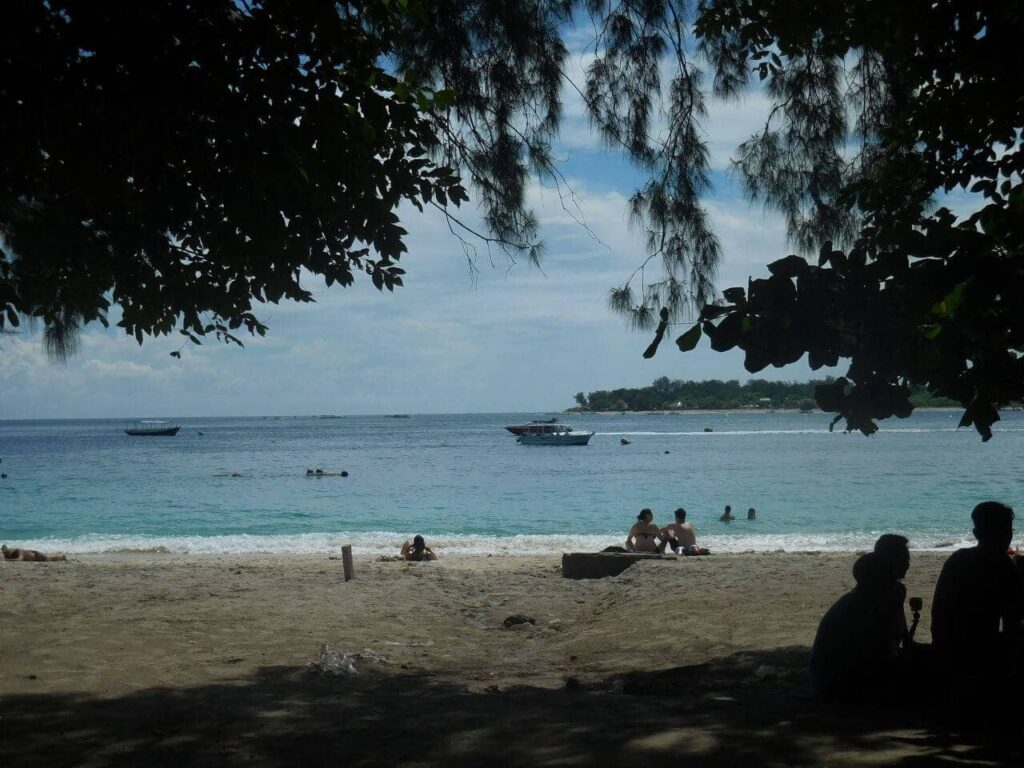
pixel 553 434
pixel 152 428
pixel 546 425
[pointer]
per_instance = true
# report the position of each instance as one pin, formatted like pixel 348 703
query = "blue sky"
pixel 454 339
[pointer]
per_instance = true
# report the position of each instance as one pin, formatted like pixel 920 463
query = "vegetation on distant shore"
pixel 714 394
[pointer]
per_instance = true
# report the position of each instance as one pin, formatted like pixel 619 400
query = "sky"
pixel 457 338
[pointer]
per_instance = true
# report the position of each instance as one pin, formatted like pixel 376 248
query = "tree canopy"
pixel 185 160
pixel 914 288
pixel 713 394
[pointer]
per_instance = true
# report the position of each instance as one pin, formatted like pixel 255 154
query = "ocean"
pixel 465 484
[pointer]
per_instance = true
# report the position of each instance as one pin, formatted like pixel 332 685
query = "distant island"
pixel 667 394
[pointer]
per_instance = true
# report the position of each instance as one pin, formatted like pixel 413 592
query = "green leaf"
pixel 689 340
pixel 445 99
pixel 735 295
pixel 790 266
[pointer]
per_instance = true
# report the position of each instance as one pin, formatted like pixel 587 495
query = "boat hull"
pixel 168 432
pixel 571 438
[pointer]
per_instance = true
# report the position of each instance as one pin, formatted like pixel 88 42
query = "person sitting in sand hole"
pixel 418 550
pixel 644 536
pixel 681 537
pixel 33 555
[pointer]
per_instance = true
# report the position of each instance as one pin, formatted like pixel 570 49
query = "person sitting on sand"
pixel 29 554
pixel 979 601
pixel 854 658
pixel 418 550
pixel 681 537
pixel 644 536
pixel 894 552
pixel 727 515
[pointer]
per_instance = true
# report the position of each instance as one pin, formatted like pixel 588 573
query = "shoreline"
pixel 187 660
pixel 449 547
pixel 745 411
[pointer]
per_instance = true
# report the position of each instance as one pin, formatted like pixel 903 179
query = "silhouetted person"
pixel 751 514
pixel 727 515
pixel 894 552
pixel 979 600
pixel 855 657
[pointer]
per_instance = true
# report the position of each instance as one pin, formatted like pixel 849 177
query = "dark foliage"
pixel 911 296
pixel 184 160
pixel 714 394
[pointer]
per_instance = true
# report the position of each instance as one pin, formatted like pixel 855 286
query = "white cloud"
pixel 509 338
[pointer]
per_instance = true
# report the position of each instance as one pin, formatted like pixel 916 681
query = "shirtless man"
pixel 28 554
pixel 681 536
pixel 727 515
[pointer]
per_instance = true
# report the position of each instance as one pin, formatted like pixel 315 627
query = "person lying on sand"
pixel 29 554
pixel 681 537
pixel 644 536
pixel 418 550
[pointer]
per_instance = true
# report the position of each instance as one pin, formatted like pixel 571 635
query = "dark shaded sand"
pixel 162 660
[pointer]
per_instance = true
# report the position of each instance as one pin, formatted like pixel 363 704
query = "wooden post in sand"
pixel 346 562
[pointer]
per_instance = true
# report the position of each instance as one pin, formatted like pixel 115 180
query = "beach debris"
pixel 765 672
pixel 370 656
pixel 623 441
pixel 336 663
pixel 346 562
pixel 517 619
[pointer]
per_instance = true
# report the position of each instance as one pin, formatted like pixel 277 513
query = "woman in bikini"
pixel 418 550
pixel 644 536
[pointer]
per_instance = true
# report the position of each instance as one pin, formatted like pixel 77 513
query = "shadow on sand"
pixel 748 709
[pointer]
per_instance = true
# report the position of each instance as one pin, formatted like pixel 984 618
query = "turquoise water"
pixel 463 482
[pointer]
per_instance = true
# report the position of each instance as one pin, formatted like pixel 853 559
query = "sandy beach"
pixel 184 660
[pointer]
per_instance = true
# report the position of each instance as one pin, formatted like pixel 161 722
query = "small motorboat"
pixel 558 434
pixel 152 428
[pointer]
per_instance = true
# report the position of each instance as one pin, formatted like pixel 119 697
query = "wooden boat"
pixel 152 428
